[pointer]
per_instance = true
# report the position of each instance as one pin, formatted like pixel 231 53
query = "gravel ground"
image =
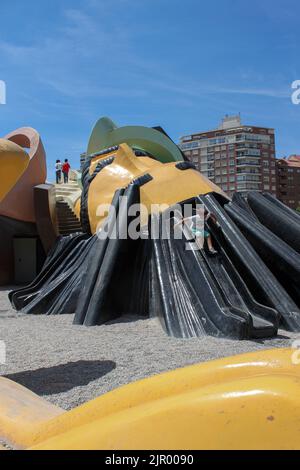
pixel 69 365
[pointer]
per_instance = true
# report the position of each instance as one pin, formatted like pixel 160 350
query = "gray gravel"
pixel 69 365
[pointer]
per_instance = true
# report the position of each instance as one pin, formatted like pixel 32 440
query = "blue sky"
pixel 178 64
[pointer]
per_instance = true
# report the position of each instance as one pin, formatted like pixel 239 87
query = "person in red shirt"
pixel 65 169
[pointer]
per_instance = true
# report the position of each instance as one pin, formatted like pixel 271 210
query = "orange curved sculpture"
pixel 13 162
pixel 18 204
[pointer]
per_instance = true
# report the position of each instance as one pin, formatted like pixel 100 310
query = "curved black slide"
pixel 281 259
pixel 187 299
pixel 265 321
pixel 196 294
pixel 276 218
pixel 291 212
pixel 261 282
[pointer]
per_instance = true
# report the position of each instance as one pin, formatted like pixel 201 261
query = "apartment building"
pixel 237 158
pixel 288 181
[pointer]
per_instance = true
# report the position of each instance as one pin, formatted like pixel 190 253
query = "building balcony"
pixel 249 181
pixel 248 153
pixel 247 163
pixel 244 148
pixel 244 173
pixel 249 171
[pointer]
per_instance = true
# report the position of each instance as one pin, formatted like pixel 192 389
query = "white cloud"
pixel 267 92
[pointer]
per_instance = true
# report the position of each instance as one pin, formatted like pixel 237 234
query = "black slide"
pixel 197 294
pixel 281 259
pixel 261 282
pixel 265 321
pixel 277 218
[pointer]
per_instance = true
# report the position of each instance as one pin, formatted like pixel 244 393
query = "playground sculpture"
pixel 247 291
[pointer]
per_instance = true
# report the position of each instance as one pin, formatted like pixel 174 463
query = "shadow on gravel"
pixel 62 378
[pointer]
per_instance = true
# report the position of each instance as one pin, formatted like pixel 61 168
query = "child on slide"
pixel 205 232
pixel 201 231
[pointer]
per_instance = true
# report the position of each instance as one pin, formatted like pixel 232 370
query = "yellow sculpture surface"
pixel 250 401
pixel 13 162
pixel 169 185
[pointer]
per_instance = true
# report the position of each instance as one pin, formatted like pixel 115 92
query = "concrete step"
pixel 66 187
pixel 65 213
pixel 70 183
pixel 64 192
pixel 67 220
pixel 69 216
pixel 64 209
pixel 69 225
pixel 69 231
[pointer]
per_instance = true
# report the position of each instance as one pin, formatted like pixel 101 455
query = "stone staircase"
pixel 66 196
pixel 65 191
pixel 67 221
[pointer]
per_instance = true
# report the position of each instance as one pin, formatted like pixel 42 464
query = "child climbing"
pixel 58 167
pixel 66 169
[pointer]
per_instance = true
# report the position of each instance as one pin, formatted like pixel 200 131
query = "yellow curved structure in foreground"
pixel 13 162
pixel 250 401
